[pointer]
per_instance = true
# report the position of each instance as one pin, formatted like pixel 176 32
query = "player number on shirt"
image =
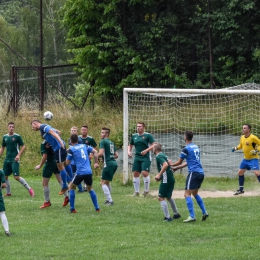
pixel 112 148
pixel 83 155
pixel 197 154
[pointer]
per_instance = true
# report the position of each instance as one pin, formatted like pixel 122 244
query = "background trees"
pixel 138 43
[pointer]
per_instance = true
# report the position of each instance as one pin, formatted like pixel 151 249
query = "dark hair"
pixel 74 139
pixel 141 123
pixel 106 129
pixel 249 126
pixel 85 126
pixel 188 135
pixel 11 123
pixel 35 120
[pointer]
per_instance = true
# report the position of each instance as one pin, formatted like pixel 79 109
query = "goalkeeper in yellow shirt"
pixel 248 143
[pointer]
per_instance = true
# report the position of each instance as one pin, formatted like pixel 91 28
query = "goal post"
pixel 215 116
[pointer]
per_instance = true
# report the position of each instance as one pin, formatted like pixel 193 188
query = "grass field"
pixel 133 228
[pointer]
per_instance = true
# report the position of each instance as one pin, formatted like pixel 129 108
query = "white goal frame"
pixel 157 91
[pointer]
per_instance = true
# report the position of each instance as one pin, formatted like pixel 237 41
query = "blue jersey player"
pixel 79 153
pixel 52 137
pixel 191 153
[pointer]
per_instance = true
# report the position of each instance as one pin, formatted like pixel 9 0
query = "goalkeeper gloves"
pixel 233 149
pixel 254 152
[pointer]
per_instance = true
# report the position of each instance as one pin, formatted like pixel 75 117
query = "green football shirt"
pixel 167 176
pixel 109 152
pixel 12 144
pixel 141 142
pixel 89 140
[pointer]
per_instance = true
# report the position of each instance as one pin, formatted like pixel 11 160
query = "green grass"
pixel 130 229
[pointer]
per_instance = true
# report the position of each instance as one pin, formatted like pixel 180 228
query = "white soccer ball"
pixel 48 115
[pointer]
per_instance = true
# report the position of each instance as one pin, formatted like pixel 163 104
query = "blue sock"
pixel 200 203
pixel 94 199
pixel 80 187
pixel 189 204
pixel 258 177
pixel 72 199
pixel 241 180
pixel 69 171
pixel 63 176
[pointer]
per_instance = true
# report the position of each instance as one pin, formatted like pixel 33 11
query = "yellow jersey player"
pixel 248 143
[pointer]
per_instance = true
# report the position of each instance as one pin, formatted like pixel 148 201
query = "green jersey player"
pixel 166 177
pixel 13 142
pixel 107 150
pixel 143 143
pixel 50 167
pixel 2 205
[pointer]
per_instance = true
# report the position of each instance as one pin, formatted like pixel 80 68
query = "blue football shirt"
pixel 79 153
pixel 192 155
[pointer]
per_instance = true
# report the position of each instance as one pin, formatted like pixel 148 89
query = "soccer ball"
pixel 48 115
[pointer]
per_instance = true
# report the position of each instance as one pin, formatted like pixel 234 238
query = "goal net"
pixel 216 118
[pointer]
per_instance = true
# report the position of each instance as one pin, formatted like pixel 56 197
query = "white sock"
pixel 4 221
pixel 24 183
pixel 8 186
pixel 146 183
pixel 173 205
pixel 110 188
pixel 165 210
pixel 46 192
pixel 107 192
pixel 136 182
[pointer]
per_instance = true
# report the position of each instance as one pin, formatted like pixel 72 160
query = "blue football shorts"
pixel 252 164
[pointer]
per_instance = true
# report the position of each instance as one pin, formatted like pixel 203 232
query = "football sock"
pixel 24 183
pixel 4 221
pixel 136 182
pixel 241 180
pixel 46 192
pixel 63 176
pixel 8 186
pixel 65 194
pixel 200 203
pixel 80 187
pixel 146 183
pixel 94 199
pixel 258 177
pixel 110 188
pixel 107 192
pixel 72 199
pixel 165 210
pixel 173 205
pixel 69 171
pixel 189 204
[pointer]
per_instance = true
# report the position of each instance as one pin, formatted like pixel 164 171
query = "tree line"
pixel 138 43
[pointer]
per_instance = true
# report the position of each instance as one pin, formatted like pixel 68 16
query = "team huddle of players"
pixel 72 166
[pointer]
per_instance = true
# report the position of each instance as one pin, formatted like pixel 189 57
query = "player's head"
pixel 157 148
pixel 188 135
pixel 246 129
pixel 140 127
pixel 84 130
pixel 35 124
pixel 10 127
pixel 74 130
pixel 74 139
pixel 105 132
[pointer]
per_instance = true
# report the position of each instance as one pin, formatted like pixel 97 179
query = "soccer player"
pixel 57 144
pixel 167 183
pixel 79 153
pixel 143 143
pixel 248 143
pixel 2 205
pixel 50 167
pixel 191 153
pixel 74 130
pixel 107 150
pixel 13 142
pixel 88 140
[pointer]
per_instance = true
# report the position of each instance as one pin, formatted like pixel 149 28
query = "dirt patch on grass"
pixel 179 194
